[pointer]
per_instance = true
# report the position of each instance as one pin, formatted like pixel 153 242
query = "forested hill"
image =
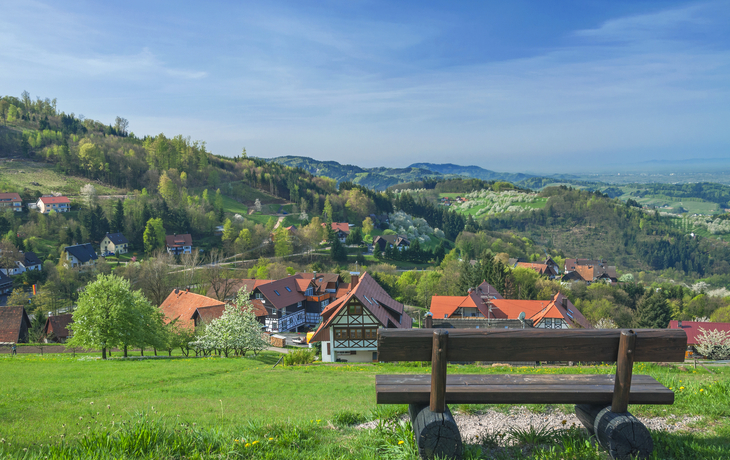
pixel 375 178
pixel 471 171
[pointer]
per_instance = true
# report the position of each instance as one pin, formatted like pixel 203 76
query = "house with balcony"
pixel 341 229
pixel 11 201
pixel 80 256
pixel 114 243
pixel 46 204
pixel 349 327
pixel 179 244
pixel 589 271
pixel 25 261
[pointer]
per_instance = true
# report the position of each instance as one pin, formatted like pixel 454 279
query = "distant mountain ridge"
pixel 381 178
pixel 471 171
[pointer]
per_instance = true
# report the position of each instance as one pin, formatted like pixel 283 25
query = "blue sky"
pixel 510 86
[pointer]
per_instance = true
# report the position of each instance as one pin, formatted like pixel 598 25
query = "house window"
pixel 355 309
pixel 371 333
pixel 277 292
pixel 299 304
pixel 340 334
pixel 287 288
pixel 356 334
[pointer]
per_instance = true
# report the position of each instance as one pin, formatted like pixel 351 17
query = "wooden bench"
pixel 601 400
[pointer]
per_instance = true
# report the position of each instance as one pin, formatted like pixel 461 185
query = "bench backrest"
pixel 652 345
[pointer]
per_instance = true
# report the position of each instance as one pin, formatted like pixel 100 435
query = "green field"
pixel 18 175
pixel 58 406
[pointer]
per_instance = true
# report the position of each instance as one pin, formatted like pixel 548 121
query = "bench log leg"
pixel 436 433
pixel 621 434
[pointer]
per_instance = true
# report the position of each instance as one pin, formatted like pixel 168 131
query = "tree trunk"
pixel 154 350
pixel 621 434
pixel 436 433
pixel 103 353
pixel 141 351
pixel 125 351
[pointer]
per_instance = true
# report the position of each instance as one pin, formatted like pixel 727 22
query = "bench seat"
pixel 519 389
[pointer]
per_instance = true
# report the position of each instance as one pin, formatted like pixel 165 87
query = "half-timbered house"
pixel 349 328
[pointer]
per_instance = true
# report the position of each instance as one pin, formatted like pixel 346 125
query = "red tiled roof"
pixel 343 227
pixel 173 241
pixel 58 325
pixel 444 306
pixel 13 197
pixel 374 299
pixel 537 310
pixel 54 200
pixel 181 305
pixel 11 322
pixel 692 328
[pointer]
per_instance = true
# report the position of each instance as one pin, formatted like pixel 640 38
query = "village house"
pixel 349 328
pixel 12 201
pixel 692 328
pixel 589 271
pixel 179 244
pixel 558 313
pixel 26 261
pixel 341 229
pixel 114 243
pixel 47 204
pixel 547 268
pixel 80 256
pixel 14 325
pixel 382 242
pixel 56 328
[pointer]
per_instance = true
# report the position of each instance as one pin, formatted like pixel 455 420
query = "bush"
pixel 713 344
pixel 299 357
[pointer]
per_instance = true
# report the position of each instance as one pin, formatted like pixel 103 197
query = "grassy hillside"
pixel 242 407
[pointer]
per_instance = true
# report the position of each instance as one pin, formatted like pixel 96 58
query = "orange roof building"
pixel 181 306
pixel 557 313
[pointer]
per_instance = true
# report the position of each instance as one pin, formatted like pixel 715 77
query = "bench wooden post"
pixel 624 367
pixel 438 371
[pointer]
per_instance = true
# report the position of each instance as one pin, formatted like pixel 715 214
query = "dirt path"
pixel 278 222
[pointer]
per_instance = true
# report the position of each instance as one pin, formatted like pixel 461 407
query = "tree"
pixel 282 242
pixel 18 298
pixel 154 235
pixel 243 242
pixel 368 226
pixel 653 312
pixel 121 125
pixel 117 223
pixel 155 278
pixel 355 236
pixel 88 191
pixel 217 276
pixel 228 231
pixel 108 314
pixel 713 344
pixel 168 189
pixel 338 253
pixel 257 205
pixel 327 213
pixel 237 329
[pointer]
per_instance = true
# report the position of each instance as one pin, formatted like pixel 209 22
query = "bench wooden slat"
pixel 652 345
pixel 519 389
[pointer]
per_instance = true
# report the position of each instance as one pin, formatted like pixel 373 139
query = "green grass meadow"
pixel 60 406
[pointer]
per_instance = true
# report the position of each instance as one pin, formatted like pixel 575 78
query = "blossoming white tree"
pixel 236 330
pixel 713 344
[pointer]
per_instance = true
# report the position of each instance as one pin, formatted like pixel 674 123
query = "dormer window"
pixel 287 288
pixel 277 292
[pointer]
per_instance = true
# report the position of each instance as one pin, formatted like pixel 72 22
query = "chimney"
pixel 564 302
pixel 471 290
pixel 187 289
pixel 354 280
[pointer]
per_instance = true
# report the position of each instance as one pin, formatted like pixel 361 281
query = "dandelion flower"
pixel 247 445
pixel 271 439
pixel 681 388
pixel 255 442
pixel 400 442
pixel 702 389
